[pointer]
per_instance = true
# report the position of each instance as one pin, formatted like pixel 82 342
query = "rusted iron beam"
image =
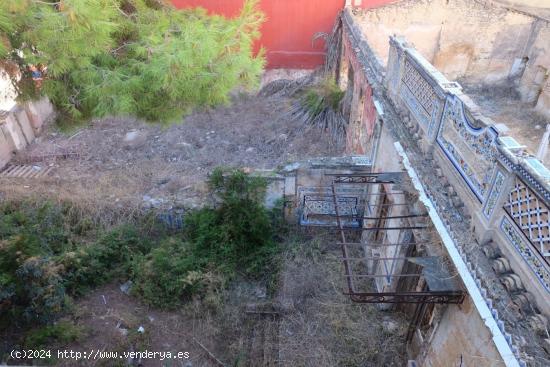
pixel 347 266
pixel 440 297
pixel 383 244
pixel 376 258
pixel 383 228
pixel 382 275
pixel 373 218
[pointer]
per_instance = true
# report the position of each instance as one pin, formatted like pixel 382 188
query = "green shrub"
pixel 61 333
pixel 41 228
pixel 31 288
pixel 325 95
pixel 103 260
pixel 168 274
pixel 234 236
pixel 241 234
pixel 41 259
pixel 45 258
pixel 39 290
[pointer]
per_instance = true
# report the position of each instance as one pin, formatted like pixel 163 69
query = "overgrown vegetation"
pixel 62 332
pixel 235 236
pixel 128 57
pixel 49 256
pixel 320 104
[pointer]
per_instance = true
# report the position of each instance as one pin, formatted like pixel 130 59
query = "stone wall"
pixel 20 125
pixel 489 188
pixel 483 165
pixel 7 92
pixel 480 42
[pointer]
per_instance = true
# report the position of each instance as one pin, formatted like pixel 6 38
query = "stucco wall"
pixel 7 92
pixel 535 83
pixel 462 38
pixel 461 339
pixel 287 34
pixel 478 43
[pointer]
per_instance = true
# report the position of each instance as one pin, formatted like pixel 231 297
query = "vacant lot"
pixel 130 163
pixel 302 320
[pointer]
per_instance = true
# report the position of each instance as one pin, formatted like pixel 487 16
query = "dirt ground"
pixel 304 321
pixel 126 162
pixel 504 107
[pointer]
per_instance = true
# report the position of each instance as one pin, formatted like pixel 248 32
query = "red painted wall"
pixel 369 4
pixel 287 34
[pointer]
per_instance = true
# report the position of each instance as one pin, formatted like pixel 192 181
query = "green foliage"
pixel 50 253
pixel 60 333
pixel 41 293
pixel 107 258
pixel 31 285
pixel 172 273
pixel 326 95
pixel 321 105
pixel 130 57
pixel 236 236
pixel 44 259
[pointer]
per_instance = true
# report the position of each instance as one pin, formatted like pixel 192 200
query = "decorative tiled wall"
pixel 438 107
pixel 516 238
pixel 319 210
pixel 531 216
pixel 494 194
pixel 420 96
pixel 317 206
pixel 471 149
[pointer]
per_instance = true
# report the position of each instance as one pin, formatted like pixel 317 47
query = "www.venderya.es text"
pixel 94 354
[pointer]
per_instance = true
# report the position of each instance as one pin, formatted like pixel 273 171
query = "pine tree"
pixel 129 57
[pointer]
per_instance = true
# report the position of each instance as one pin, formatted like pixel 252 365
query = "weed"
pixel 108 258
pixel 52 252
pixel 234 236
pixel 60 333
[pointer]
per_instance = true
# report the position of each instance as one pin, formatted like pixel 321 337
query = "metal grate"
pixel 371 263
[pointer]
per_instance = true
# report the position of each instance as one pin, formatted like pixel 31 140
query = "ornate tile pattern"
pixel 526 177
pixel 316 210
pixel 531 215
pixel 480 142
pixel 538 267
pixel 420 96
pixel 496 190
pixel 421 89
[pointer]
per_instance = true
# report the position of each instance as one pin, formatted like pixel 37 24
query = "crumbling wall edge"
pixel 473 290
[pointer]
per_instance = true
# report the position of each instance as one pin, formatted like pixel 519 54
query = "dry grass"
pixel 322 326
pixel 168 163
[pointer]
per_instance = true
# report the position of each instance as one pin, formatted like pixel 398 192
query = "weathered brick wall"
pixel 363 114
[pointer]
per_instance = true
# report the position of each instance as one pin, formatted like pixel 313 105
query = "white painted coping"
pixel 498 338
